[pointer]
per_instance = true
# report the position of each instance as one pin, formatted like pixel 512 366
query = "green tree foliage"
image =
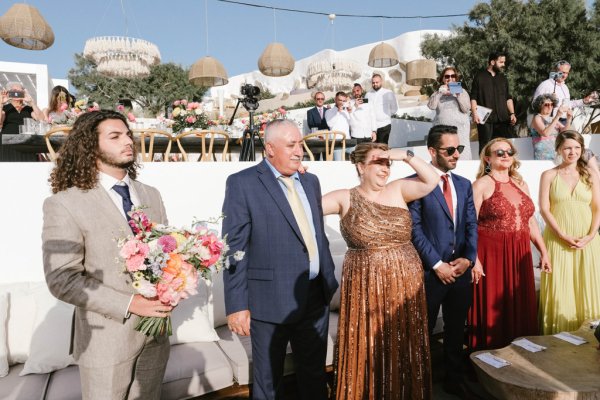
pixel 535 34
pixel 166 83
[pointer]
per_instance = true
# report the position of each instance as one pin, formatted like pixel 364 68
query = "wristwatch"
pixel 409 155
pixel 471 263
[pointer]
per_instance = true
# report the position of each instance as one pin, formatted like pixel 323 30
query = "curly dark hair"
pixel 76 164
pixel 539 101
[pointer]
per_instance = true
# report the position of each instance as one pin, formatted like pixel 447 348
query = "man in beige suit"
pixel 94 185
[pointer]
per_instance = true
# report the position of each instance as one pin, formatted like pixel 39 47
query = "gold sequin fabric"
pixel 382 347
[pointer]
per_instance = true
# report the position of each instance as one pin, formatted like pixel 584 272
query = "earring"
pixel 487 168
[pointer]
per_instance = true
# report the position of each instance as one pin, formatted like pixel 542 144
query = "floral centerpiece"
pixel 67 116
pixel 166 263
pixel 127 112
pixel 187 114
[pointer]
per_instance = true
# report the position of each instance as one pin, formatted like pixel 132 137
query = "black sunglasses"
pixel 381 161
pixel 449 76
pixel 501 153
pixel 451 150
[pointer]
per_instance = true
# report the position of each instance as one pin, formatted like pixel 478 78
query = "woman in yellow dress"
pixel 570 205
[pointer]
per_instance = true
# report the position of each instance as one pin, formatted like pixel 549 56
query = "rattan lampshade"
pixel 208 72
pixel 382 56
pixel 276 60
pixel 23 26
pixel 421 72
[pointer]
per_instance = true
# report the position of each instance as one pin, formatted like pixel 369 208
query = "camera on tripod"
pixel 556 75
pixel 250 101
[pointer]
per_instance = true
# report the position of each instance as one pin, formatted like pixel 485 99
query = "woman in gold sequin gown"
pixel 382 347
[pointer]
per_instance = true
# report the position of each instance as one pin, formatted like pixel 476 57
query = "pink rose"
pixel 63 107
pixel 191 119
pixel 282 110
pixel 176 103
pixel 130 117
pixel 120 108
pixel 184 102
pixel 135 263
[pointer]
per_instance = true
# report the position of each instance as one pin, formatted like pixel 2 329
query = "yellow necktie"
pixel 300 215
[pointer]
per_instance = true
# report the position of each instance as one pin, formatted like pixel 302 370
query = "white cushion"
pixel 49 349
pixel 191 320
pixel 3 339
pixel 21 317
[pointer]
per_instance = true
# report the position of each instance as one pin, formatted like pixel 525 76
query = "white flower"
pixel 145 288
pixel 238 255
pixel 203 253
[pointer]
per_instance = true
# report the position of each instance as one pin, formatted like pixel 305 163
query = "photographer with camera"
pixel 17 105
pixel 556 85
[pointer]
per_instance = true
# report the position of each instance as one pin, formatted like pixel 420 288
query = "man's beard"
pixel 443 164
pixel 497 69
pixel 108 160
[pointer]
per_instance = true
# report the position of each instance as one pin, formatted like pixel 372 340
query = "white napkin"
pixel 492 360
pixel 594 324
pixel 528 345
pixel 568 337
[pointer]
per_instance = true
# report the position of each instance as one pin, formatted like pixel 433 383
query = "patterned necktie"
pixel 123 191
pixel 448 194
pixel 300 215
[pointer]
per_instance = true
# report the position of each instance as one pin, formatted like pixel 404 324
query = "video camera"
pixel 556 75
pixel 250 101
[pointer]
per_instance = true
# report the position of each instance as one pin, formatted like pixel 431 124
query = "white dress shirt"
pixel 384 104
pixel 107 182
pixel 338 120
pixel 561 91
pixel 362 121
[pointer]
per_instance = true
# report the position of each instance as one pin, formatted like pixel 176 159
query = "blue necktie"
pixel 123 191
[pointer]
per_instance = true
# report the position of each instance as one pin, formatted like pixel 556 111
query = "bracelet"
pixel 511 113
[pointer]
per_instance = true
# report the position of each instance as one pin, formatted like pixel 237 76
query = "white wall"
pixel 188 189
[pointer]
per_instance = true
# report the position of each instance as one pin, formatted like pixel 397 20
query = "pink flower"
pixel 184 102
pixel 120 108
pixel 191 119
pixel 63 107
pixel 168 243
pixel 213 248
pixel 135 263
pixel 176 103
pixel 282 110
pixel 130 117
pixel 134 252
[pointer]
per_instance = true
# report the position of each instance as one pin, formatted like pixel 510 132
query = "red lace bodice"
pixel 507 210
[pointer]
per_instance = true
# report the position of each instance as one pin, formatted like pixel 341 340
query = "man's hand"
pixel 459 266
pixel 148 308
pixel 239 322
pixel 513 119
pixel 446 273
pixel 476 118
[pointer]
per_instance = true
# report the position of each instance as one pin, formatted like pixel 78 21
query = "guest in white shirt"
pixel 383 101
pixel 556 85
pixel 363 127
pixel 338 119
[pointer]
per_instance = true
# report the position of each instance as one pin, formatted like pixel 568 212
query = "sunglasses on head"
pixel 451 150
pixel 386 162
pixel 501 153
pixel 448 76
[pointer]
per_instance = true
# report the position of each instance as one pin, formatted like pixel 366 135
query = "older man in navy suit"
pixel 280 291
pixel 445 235
pixel 315 117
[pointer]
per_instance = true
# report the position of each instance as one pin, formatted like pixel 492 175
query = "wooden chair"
pixel 207 155
pixel 147 155
pixel 58 130
pixel 330 138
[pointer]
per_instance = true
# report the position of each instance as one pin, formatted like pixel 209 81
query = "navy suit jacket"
pixel 433 233
pixel 272 279
pixel 314 120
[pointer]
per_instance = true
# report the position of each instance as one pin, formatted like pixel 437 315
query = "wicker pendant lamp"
pixel 421 72
pixel 208 72
pixel 383 56
pixel 23 26
pixel 276 60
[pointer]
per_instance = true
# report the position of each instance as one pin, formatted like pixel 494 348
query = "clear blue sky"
pixel 237 34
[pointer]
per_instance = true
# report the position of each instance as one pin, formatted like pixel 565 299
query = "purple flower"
pixel 168 243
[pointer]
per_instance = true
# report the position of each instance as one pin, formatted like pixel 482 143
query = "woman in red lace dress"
pixel 504 303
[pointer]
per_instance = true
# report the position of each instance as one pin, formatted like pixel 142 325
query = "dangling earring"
pixel 487 168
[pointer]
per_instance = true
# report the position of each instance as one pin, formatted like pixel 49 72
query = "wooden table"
pixel 562 371
pixel 36 144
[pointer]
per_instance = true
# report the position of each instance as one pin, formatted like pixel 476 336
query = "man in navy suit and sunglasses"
pixel 445 235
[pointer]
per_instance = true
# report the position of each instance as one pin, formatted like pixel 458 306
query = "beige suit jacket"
pixel 83 268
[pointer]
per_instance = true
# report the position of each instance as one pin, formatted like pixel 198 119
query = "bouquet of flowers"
pixel 187 114
pixel 166 263
pixel 67 116
pixel 127 112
